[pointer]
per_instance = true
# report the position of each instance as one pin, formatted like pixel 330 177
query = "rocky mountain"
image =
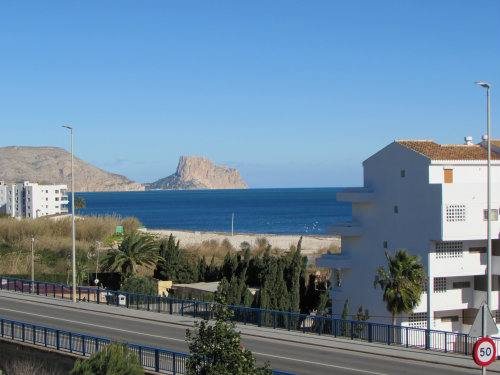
pixel 52 165
pixel 199 173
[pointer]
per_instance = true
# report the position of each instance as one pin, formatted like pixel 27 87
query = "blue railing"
pixel 158 360
pixel 355 330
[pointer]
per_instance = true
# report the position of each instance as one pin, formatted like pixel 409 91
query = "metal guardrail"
pixel 448 342
pixel 158 360
pixel 155 359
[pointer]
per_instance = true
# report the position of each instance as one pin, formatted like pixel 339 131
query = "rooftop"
pixel 435 151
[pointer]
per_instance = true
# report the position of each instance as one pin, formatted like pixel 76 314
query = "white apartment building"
pixel 430 199
pixel 25 199
pixel 3 196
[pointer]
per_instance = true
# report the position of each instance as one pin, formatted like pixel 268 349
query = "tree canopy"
pixel 136 249
pixel 216 348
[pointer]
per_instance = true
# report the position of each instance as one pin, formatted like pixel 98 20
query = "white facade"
pixel 431 200
pixel 31 200
pixel 3 196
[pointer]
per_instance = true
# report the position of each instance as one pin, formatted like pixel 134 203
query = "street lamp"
pixel 73 261
pixel 488 263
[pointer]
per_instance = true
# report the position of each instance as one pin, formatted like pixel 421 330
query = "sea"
pixel 295 211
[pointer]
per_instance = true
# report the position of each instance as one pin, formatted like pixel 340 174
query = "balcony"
pixel 359 195
pixel 345 229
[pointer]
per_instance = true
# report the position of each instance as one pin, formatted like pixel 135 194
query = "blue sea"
pixel 274 211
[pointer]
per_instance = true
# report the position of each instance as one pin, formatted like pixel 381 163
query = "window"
pixel 385 244
pixel 461 284
pixel 451 249
pixel 493 214
pixel 57 191
pixel 396 209
pixel 448 176
pixel 455 212
pixel 417 320
pixel 403 173
pixel 497 315
pixel 57 199
pixel 439 284
pixel 449 319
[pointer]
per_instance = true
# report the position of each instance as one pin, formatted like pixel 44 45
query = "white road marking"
pixel 321 364
pixel 94 325
pixel 174 339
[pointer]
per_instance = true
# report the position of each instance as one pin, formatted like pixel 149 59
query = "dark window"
pixel 403 173
pixel 385 244
pixel 396 209
pixel 461 284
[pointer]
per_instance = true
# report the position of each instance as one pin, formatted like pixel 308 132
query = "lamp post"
pixel 73 261
pixel 32 263
pixel 488 190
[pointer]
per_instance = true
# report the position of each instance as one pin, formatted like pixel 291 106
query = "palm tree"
pixel 136 249
pixel 80 204
pixel 402 283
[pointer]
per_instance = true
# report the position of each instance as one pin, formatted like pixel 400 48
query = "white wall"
pixel 421 198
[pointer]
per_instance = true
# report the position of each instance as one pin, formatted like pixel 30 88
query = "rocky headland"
pixel 52 166
pixel 199 173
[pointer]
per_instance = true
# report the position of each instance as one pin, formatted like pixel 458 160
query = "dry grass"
pixel 52 241
pixel 27 365
pixel 218 249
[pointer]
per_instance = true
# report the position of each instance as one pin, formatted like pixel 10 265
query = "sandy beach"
pixel 309 243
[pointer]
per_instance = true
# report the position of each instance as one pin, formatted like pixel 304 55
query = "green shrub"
pixel 116 359
pixel 140 285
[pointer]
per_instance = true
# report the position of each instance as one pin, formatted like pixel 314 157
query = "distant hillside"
pixel 199 173
pixel 52 165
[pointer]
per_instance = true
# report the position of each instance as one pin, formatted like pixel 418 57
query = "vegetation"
pixel 53 244
pixel 174 265
pixel 280 279
pixel 140 285
pixel 402 283
pixel 216 348
pixel 80 204
pixel 116 359
pixel 136 249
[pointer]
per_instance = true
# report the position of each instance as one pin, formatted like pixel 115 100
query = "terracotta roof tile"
pixel 435 151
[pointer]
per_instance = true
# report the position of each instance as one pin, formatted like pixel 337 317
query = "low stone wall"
pixel 309 243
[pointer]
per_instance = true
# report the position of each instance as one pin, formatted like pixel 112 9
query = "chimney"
pixel 468 141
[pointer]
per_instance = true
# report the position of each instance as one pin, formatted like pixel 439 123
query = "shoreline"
pixel 310 243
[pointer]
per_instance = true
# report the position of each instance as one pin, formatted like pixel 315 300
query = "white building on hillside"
pixel 31 200
pixel 3 196
pixel 430 199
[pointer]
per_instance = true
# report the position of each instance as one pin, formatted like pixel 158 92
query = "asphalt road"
pixel 297 357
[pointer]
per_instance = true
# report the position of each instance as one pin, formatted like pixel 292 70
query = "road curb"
pixel 271 334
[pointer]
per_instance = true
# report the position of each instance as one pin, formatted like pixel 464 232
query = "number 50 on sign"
pixel 484 352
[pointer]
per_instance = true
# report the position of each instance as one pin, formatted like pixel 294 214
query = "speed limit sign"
pixel 484 352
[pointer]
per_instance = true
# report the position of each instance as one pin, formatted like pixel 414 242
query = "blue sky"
pixel 292 93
